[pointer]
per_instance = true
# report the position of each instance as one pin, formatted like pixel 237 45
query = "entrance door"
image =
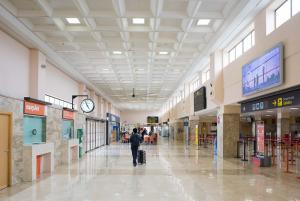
pixel 4 150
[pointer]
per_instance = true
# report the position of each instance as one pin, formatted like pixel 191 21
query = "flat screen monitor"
pixel 263 72
pixel 152 120
pixel 200 99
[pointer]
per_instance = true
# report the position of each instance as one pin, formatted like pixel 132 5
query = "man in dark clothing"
pixel 135 143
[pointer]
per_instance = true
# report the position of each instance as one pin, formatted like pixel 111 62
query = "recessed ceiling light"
pixel 138 21
pixel 117 52
pixel 73 20
pixel 163 53
pixel 202 22
pixel 106 69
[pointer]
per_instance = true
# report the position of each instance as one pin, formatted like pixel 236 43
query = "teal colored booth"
pixel 67 130
pixel 34 130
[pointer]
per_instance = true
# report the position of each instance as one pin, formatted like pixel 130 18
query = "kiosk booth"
pixel 70 143
pixel 38 156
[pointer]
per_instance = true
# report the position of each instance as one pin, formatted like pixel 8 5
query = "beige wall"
pixel 288 33
pixel 60 85
pixel 136 117
pixel 14 67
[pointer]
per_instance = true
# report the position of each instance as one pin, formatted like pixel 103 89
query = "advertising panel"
pixel 260 135
pixel 263 72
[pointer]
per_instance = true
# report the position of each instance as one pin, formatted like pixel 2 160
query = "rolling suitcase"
pixel 141 157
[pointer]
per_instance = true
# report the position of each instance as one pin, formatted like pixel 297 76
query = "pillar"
pixel 37 74
pixel 283 123
pixel 228 130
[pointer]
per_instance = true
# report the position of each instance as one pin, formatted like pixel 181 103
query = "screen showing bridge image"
pixel 264 72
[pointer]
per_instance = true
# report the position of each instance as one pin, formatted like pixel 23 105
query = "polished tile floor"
pixel 172 173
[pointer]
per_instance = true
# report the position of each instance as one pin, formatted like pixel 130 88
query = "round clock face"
pixel 87 105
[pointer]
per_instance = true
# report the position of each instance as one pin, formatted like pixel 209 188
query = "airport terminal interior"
pixel 169 100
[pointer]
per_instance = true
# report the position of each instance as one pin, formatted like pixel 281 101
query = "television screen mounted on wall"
pixel 263 72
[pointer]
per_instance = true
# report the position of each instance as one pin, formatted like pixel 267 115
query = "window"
pixel 295 7
pixel 247 42
pixel 282 13
pixel 232 55
pixel 205 75
pixel 239 50
pixel 59 102
pixel 243 46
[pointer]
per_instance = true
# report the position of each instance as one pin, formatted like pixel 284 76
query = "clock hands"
pixel 86 104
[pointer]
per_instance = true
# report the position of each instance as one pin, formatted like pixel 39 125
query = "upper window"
pixel 205 75
pixel 59 102
pixel 286 11
pixel 283 13
pixel 241 47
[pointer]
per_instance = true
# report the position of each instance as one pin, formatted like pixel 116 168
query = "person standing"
pixel 135 140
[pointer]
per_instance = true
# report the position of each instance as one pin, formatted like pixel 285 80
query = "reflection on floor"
pixel 172 173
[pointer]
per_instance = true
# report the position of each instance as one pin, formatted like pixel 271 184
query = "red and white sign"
pixel 260 133
pixel 34 108
pixel 68 114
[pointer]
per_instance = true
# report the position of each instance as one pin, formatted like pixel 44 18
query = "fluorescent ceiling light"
pixel 106 69
pixel 294 108
pixel 138 21
pixel 117 52
pixel 73 20
pixel 163 53
pixel 269 111
pixel 202 22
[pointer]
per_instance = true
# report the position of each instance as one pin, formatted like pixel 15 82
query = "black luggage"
pixel 141 157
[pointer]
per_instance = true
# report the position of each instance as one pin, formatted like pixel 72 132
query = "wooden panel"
pixel 4 151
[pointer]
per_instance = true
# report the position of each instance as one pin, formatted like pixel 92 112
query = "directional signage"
pixel 289 98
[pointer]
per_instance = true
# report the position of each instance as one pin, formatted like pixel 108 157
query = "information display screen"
pixel 200 99
pixel 263 72
pixel 152 120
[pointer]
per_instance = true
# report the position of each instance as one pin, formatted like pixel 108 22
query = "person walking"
pixel 135 140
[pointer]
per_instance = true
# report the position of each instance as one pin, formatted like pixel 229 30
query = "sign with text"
pixel 34 108
pixel 289 98
pixel 68 115
pixel 260 135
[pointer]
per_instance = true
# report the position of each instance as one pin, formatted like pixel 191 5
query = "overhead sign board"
pixel 289 98
pixel 32 108
pixel 68 115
